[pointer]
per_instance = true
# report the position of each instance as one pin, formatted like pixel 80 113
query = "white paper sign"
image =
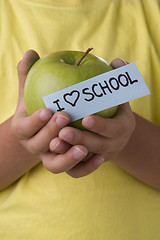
pixel 98 93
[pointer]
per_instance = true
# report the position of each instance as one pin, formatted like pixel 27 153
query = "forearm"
pixel 141 156
pixel 15 161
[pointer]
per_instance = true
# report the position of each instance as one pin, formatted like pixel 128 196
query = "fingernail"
pixel 44 116
pixel 62 120
pixel 99 160
pixel 118 62
pixel 68 137
pixel 54 146
pixel 78 153
pixel 123 61
pixel 88 122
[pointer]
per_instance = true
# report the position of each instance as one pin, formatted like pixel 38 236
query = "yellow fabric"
pixel 108 204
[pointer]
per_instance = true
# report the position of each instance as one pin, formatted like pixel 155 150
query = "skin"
pixel 128 140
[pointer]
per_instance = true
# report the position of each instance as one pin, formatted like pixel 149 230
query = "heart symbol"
pixel 72 97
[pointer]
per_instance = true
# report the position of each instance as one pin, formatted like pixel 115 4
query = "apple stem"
pixel 80 60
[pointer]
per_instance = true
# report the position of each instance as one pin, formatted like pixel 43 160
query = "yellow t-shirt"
pixel 109 204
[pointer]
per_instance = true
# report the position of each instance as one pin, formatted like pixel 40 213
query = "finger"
pixel 115 127
pixel 63 162
pixel 27 126
pixel 23 68
pixel 39 143
pixel 93 142
pixel 118 62
pixel 85 168
pixel 57 145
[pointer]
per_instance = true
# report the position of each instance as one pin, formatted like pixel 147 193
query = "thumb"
pixel 23 67
pixel 118 62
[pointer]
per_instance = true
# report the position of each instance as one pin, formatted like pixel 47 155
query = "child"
pixel 46 205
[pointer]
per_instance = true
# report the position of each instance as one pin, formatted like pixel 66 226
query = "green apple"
pixel 60 70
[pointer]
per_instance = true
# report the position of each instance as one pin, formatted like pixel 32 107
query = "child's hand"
pixel 35 132
pixel 104 140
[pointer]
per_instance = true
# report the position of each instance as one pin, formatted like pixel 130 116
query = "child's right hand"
pixel 35 132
